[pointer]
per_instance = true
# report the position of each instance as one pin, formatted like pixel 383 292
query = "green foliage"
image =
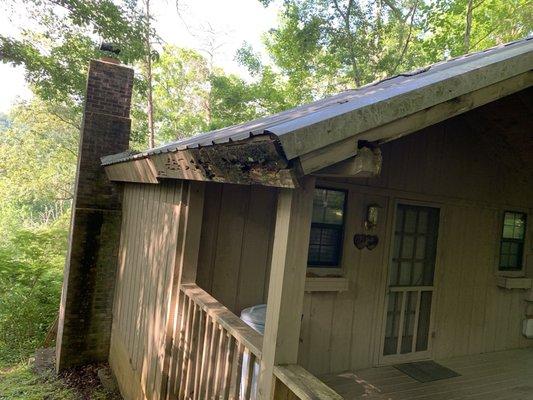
pixel 325 46
pixel 181 93
pixel 31 266
pixel 5 122
pixel 56 54
pixel 37 161
pixel 21 383
pixel 493 22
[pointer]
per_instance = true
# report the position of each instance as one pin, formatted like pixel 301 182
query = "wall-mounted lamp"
pixel 372 216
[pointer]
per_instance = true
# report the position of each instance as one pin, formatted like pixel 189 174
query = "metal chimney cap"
pixel 110 48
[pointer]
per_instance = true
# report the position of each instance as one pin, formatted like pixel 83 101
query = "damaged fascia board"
pixel 254 161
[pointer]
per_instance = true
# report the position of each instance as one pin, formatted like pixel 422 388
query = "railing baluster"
pixel 228 362
pixel 248 375
pixel 236 373
pixel 219 361
pixel 211 360
pixel 199 353
pixel 178 347
pixel 190 355
pixel 185 352
pixel 205 358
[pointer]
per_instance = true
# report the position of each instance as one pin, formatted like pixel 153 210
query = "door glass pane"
pixel 405 274
pixel 408 246
pixel 409 322
pixel 410 220
pixel 422 337
pixel 415 245
pixel 393 322
pixel 418 274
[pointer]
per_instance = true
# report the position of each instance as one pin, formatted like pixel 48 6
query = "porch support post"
pixel 287 282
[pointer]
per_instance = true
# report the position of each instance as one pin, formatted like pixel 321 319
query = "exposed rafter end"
pixel 366 164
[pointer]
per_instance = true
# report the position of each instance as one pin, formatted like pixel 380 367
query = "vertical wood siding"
pixel 464 172
pixel 236 242
pixel 467 175
pixel 144 282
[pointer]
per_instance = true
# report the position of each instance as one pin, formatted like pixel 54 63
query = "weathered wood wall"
pixel 473 176
pixel 144 284
pixel 236 242
pixel 470 172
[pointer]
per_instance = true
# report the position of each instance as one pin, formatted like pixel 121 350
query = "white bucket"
pixel 255 318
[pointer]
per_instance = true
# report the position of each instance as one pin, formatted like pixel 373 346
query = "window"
pixel 512 242
pixel 327 228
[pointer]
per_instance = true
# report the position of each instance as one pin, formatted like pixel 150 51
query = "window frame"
pixel 518 271
pixel 330 268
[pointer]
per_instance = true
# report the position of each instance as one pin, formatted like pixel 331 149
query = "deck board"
pixel 501 375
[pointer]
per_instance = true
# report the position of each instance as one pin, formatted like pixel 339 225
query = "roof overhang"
pixel 276 150
pixel 257 160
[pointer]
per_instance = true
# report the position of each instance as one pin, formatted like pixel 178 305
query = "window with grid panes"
pixel 327 228
pixel 512 241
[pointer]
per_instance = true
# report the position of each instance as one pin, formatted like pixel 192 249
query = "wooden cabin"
pixel 385 225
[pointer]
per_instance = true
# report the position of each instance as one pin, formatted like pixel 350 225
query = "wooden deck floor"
pixel 506 375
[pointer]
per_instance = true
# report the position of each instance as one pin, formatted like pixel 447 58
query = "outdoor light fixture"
pixel 372 215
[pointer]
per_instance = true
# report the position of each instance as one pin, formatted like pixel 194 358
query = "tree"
pixel 325 46
pixel 55 54
pixel 37 164
pixel 181 90
pixel 149 54
pixel 455 27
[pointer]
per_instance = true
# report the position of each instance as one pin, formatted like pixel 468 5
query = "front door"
pixel 410 288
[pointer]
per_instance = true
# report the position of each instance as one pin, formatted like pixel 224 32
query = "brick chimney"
pixel 85 313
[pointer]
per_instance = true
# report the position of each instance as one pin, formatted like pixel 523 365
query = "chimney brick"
pixel 85 314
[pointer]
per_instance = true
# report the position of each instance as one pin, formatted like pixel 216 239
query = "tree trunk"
pixel 150 100
pixel 468 29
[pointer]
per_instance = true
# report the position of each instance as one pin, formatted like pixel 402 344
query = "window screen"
pixel 327 228
pixel 512 241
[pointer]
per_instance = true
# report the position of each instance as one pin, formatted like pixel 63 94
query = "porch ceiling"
pixel 506 127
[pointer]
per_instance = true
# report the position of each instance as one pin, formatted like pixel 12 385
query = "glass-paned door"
pixel 410 286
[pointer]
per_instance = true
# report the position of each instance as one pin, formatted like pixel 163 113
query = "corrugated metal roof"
pixel 297 119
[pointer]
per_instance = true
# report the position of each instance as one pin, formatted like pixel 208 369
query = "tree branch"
pixel 406 44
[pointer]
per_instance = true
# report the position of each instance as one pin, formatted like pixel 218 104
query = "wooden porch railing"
pixel 210 348
pixel 294 382
pixel 215 355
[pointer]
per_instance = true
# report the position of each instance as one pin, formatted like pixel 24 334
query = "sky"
pixel 232 21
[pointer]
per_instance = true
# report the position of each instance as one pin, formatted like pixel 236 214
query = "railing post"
pixel 287 282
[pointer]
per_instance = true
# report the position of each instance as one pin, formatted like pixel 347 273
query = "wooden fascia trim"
pixel 347 148
pixel 136 171
pixel 256 161
pixel 303 136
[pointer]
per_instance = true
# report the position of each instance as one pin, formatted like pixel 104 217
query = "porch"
pixel 496 376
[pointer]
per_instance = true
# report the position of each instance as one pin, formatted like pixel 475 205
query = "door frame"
pixel 379 358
